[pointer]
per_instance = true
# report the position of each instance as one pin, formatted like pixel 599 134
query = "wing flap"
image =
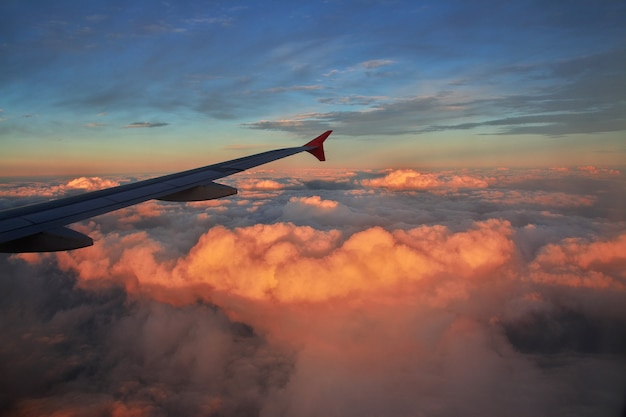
pixel 48 241
pixel 201 193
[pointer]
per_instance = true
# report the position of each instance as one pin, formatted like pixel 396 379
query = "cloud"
pixel 542 198
pixel 355 301
pixel 47 190
pixel 376 63
pixel 139 357
pixel 303 127
pixel 145 124
pixel 294 88
pixel 96 124
pixel 399 299
pixel 577 262
pixel 263 185
pixel 259 262
pixel 583 102
pixel 354 100
pixel 315 201
pixel 546 124
pixel 393 117
pixel 408 179
pixel 308 210
pixel 91 183
pixel 592 170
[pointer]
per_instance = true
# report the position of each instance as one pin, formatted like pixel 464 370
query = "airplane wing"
pixel 41 227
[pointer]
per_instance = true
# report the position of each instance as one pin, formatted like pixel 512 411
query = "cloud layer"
pixel 365 299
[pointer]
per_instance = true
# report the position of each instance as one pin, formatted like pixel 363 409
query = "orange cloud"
pixel 576 262
pixel 263 185
pixel 140 212
pixel 592 170
pixel 315 201
pixel 298 263
pixel 360 319
pixel 307 209
pixel 408 179
pixel 90 183
pixel 46 190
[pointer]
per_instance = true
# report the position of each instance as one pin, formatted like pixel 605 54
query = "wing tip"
pixel 317 145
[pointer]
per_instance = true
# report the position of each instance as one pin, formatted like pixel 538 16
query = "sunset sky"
pixel 462 251
pixel 107 87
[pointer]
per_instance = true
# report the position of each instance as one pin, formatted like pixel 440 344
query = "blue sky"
pixel 96 87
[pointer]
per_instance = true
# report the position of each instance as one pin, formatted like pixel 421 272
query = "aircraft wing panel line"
pixel 247 162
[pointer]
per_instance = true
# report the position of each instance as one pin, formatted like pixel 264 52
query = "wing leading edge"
pixel 41 227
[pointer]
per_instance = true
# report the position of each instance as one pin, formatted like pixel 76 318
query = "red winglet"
pixel 318 142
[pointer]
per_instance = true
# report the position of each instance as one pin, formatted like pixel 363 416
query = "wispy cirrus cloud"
pixel 294 88
pixel 354 100
pixel 376 63
pixel 145 125
pixel 589 99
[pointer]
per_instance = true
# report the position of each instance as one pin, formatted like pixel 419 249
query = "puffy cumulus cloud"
pixel 45 189
pixel 298 263
pixel 91 183
pixel 427 310
pixel 371 260
pixel 31 191
pixel 408 179
pixel 315 209
pixel 577 262
pixel 260 185
pixel 315 201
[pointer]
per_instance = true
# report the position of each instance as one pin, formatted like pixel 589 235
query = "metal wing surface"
pixel 41 227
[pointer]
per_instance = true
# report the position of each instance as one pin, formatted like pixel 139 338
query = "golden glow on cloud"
pixel 408 179
pixel 46 190
pixel 288 263
pixel 400 301
pixel 262 185
pixel 91 183
pixel 577 263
